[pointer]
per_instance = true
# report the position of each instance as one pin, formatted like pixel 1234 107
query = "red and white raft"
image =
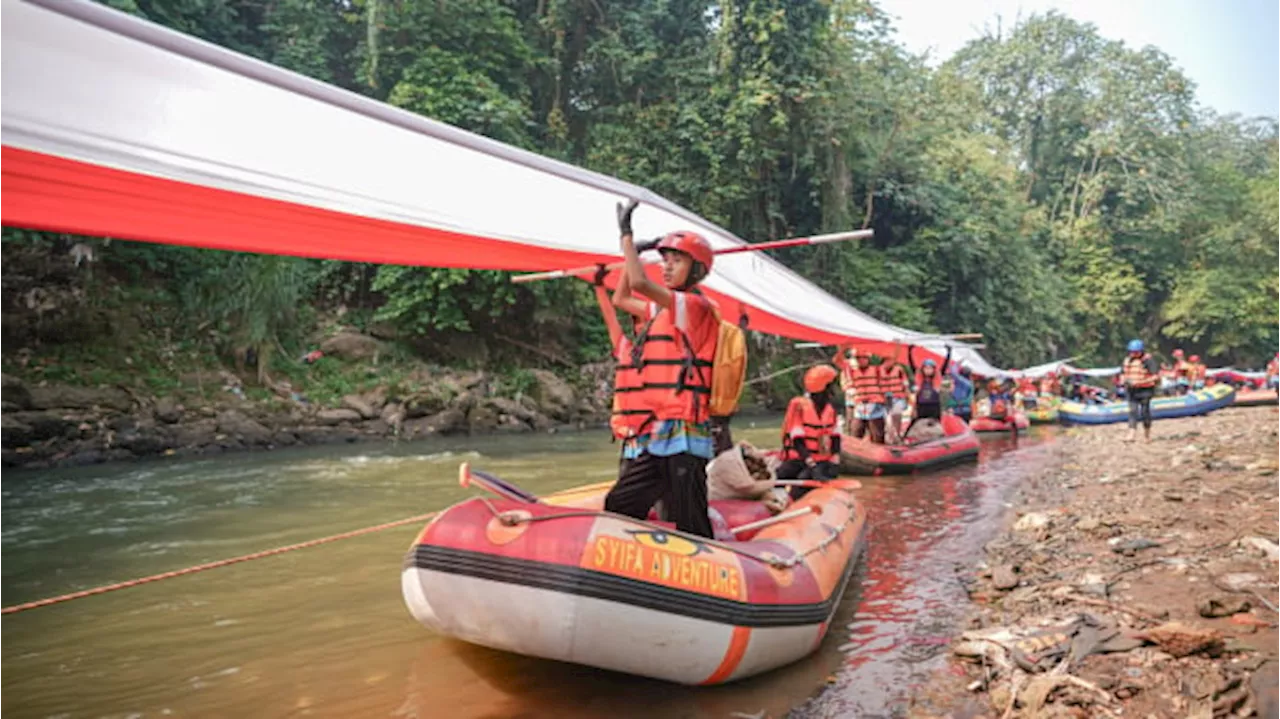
pixel 987 424
pixel 957 445
pixel 559 578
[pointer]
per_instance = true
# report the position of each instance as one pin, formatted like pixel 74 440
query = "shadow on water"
pixel 325 633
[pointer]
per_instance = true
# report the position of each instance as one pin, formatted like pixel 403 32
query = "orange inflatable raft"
pixel 987 424
pixel 1255 397
pixel 958 444
pixel 557 577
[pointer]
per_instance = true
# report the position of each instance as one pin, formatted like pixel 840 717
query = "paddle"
pixel 490 483
pixel 791 514
pixel 774 245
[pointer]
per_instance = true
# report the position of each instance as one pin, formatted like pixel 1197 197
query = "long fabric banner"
pixel 115 126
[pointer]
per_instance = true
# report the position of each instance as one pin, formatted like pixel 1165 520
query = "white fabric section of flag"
pixel 84 82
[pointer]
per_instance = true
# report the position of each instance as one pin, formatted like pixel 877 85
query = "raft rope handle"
pixel 515 517
pixel 213 565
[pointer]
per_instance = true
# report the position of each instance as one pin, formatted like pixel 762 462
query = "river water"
pixel 324 631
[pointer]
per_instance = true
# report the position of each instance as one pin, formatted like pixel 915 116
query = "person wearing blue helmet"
pixel 1141 376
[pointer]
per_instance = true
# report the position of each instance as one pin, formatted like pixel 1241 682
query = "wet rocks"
pixel 331 417
pixel 1004 578
pixel 14 394
pixel 235 423
pixel 556 398
pixel 363 408
pixel 168 410
pixel 1183 561
pixel 67 397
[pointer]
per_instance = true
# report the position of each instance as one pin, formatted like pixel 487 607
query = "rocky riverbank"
pixel 50 424
pixel 1133 580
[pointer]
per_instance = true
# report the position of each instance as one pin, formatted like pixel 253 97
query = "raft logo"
pixel 666 559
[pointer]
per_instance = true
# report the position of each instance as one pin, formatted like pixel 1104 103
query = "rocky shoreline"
pixel 53 425
pixel 1132 580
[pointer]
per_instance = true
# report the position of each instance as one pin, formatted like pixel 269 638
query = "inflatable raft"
pixel 559 578
pixel 987 424
pixel 1255 397
pixel 1043 413
pixel 1188 405
pixel 957 445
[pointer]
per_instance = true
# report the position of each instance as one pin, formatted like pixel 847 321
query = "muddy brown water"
pixel 324 631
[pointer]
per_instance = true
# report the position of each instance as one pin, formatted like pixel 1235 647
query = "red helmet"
pixel 1195 358
pixel 1177 353
pixel 817 378
pixel 690 243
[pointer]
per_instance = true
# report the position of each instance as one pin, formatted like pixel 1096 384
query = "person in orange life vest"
pixel 866 394
pixel 1026 389
pixel 1168 379
pixel 897 391
pixel 1181 372
pixel 927 402
pixel 810 437
pixel 626 378
pixel 1273 372
pixel 1197 372
pixel 669 441
pixel 1141 375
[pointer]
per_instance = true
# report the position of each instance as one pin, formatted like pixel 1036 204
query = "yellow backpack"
pixel 728 369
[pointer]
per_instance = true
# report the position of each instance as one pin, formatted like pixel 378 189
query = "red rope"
pixel 212 565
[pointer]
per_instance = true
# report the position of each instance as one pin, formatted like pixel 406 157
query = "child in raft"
pixel 810 437
pixel 926 404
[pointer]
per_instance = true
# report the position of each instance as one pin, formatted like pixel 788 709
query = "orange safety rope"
pixel 212 565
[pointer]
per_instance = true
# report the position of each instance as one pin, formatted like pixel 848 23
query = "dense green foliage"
pixel 1055 190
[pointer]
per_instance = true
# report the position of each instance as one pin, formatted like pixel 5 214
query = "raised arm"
pixel 624 300
pixel 610 316
pixel 946 362
pixel 634 269
pixel 911 358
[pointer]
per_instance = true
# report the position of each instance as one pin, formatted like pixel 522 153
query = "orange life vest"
pixel 893 380
pixel 1048 385
pixel 818 430
pixel 1135 373
pixel 1027 386
pixel 1182 368
pixel 629 416
pixel 865 383
pixel 668 377
pixel 1273 367
pixel 1198 371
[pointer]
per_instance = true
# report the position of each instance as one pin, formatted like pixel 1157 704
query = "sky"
pixel 1229 48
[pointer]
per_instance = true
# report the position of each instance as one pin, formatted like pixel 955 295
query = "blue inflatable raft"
pixel 1188 405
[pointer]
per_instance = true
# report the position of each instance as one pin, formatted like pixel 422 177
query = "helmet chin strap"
pixel 697 273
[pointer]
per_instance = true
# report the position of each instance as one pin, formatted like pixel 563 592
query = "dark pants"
pixel 924 410
pixel 679 480
pixel 797 469
pixel 1140 407
pixel 873 427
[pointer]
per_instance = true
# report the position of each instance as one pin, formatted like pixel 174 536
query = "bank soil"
pixel 1132 580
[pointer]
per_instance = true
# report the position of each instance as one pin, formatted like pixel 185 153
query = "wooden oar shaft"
pixel 774 245
pixel 792 514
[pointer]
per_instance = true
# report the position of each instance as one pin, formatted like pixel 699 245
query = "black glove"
pixel 648 245
pixel 624 216
pixel 601 273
